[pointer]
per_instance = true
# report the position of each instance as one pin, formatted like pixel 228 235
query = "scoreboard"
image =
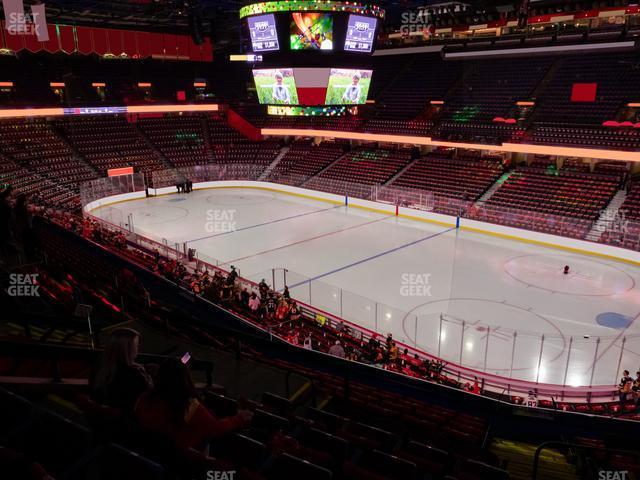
pixel 264 33
pixel 326 27
pixel 360 34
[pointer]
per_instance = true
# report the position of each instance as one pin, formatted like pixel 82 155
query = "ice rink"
pixel 491 304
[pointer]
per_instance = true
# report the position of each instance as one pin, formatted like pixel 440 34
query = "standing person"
pixel 389 341
pixel 270 307
pixel 636 389
pixel 244 297
pixel 286 293
pixel 254 303
pixel 173 410
pixel 337 350
pixel 233 275
pixel 294 311
pixel 263 288
pixel 624 388
pixel 120 380
pixel 308 342
pixel 393 353
pixel 282 310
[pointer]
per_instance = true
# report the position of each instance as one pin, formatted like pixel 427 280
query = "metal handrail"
pixel 554 443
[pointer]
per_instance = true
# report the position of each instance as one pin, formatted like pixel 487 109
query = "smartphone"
pixel 185 358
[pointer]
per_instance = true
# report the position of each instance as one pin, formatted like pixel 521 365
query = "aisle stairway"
pixel 274 164
pixel 607 217
pixel 487 195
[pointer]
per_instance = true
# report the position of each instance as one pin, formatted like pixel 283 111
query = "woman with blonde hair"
pixel 120 380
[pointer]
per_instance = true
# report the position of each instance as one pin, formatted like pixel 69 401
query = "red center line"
pixel 308 239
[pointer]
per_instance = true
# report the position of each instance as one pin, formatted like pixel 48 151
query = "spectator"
pixel 624 388
pixel 270 307
pixel 244 297
pixel 286 293
pixel 308 342
pixel 282 310
pixel 393 353
pixel 172 409
pixel 263 288
pixel 120 380
pixel 294 311
pixel 254 303
pixel 233 275
pixel 636 389
pixel 337 350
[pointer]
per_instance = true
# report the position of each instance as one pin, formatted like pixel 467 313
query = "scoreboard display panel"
pixel 264 33
pixel 360 34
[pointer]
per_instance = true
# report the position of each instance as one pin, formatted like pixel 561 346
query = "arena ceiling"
pixel 219 17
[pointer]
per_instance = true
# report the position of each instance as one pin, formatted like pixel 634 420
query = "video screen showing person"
pixel 311 31
pixel 360 34
pixel 348 86
pixel 276 86
pixel 264 34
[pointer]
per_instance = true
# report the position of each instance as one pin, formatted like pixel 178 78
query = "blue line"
pixel 265 223
pixel 373 257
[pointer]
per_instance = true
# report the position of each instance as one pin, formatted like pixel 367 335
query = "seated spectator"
pixel 120 380
pixel 172 409
pixel 337 350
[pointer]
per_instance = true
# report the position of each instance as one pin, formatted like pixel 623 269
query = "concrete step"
pixel 608 217
pixel 274 164
pixel 492 189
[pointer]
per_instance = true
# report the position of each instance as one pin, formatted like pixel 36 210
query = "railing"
pixel 517 355
pixel 490 382
pixel 611 461
pixel 205 173
pixel 443 333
